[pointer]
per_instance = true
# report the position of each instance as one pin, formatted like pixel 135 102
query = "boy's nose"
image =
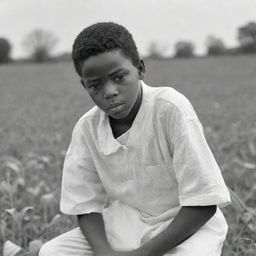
pixel 110 90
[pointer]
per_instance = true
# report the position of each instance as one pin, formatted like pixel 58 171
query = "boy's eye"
pixel 93 85
pixel 119 78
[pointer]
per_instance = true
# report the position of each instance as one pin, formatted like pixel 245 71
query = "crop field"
pixel 39 105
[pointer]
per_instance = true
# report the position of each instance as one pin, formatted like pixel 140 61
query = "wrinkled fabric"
pixel 207 241
pixel 161 163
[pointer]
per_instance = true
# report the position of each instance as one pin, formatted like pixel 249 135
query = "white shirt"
pixel 140 180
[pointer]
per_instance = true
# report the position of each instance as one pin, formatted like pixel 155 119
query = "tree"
pixel 5 49
pixel 247 37
pixel 215 46
pixel 39 43
pixel 184 49
pixel 155 51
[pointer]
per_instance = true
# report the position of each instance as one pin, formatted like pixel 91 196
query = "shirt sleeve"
pixel 200 181
pixel 82 191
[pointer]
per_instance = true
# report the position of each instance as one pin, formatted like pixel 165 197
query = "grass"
pixel 39 105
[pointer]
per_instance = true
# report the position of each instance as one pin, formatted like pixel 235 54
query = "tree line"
pixel 40 43
pixel 215 46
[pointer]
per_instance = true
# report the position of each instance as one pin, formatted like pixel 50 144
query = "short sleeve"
pixel 199 178
pixel 82 191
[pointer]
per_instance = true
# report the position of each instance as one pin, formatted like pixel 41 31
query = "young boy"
pixel 138 173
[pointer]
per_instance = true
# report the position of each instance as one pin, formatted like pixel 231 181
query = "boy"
pixel 138 172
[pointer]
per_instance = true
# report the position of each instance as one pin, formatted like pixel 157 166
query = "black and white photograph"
pixel 127 128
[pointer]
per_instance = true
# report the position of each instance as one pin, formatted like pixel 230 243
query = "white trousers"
pixel 73 243
pixel 126 231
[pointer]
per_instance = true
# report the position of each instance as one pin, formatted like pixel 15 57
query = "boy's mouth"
pixel 115 108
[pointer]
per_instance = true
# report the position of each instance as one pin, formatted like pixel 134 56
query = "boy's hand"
pixel 92 226
pixel 136 252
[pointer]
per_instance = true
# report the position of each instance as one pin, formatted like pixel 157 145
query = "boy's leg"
pixel 70 243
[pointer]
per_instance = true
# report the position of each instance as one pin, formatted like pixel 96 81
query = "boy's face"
pixel 112 82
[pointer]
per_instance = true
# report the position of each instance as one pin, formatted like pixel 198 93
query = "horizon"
pixel 163 22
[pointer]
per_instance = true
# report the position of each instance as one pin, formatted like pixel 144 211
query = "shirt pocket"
pixel 156 181
pixel 157 190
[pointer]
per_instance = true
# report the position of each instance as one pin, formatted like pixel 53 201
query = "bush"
pixel 215 46
pixel 247 38
pixel 184 49
pixel 5 49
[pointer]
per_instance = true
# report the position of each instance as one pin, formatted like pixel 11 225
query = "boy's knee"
pixel 48 249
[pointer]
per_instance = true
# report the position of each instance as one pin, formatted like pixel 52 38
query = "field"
pixel 39 105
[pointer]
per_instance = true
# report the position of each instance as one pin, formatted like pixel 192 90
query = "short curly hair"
pixel 102 37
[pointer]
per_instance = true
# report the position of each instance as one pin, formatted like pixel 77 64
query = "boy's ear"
pixel 82 82
pixel 141 68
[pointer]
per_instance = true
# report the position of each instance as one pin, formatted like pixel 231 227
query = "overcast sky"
pixel 162 21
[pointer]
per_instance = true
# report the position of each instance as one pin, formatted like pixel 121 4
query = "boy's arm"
pixel 188 220
pixel 92 226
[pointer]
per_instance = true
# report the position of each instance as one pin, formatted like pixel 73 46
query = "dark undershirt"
pixel 118 130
